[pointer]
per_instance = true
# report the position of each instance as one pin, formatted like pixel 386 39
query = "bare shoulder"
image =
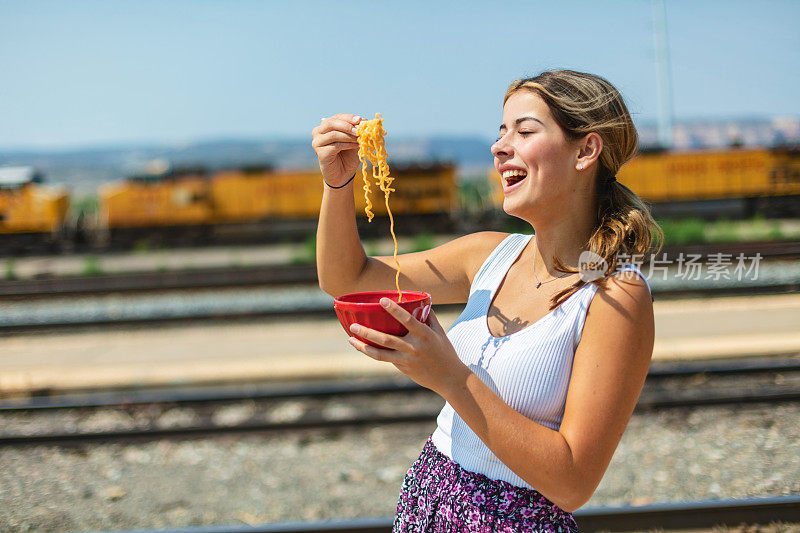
pixel 446 271
pixel 625 297
pixel 629 283
pixel 477 247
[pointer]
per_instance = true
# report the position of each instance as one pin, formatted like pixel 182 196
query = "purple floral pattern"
pixel 439 496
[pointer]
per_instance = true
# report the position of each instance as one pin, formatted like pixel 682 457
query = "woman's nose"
pixel 501 147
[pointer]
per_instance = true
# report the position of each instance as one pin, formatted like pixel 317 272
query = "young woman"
pixel 542 370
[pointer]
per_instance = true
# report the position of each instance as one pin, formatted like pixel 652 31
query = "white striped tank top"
pixel 529 369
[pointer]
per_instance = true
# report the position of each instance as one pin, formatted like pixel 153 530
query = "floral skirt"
pixel 438 495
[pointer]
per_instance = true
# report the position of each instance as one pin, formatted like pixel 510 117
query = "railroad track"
pixel 676 516
pixel 259 303
pixel 271 275
pixel 668 385
pixel 143 282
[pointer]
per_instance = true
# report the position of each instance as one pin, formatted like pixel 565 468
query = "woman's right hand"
pixel 336 145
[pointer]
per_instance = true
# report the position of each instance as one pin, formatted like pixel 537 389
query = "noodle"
pixel 371 148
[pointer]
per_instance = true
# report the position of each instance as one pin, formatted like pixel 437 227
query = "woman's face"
pixel 535 160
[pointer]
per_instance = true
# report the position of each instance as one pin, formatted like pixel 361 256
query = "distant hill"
pixel 83 170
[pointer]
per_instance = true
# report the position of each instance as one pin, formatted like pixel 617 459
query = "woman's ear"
pixel 589 150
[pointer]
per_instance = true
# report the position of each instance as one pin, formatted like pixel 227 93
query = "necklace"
pixel 539 283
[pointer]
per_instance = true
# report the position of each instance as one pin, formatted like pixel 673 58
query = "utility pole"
pixel 662 74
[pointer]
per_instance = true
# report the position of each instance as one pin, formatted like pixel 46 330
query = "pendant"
pixel 538 284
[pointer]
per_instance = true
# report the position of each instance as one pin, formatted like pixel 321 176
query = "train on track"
pixel 195 206
pixel 30 213
pixel 734 183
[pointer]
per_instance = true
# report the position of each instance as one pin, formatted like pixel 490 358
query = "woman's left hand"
pixel 425 354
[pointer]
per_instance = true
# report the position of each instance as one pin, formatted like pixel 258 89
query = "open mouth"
pixel 512 177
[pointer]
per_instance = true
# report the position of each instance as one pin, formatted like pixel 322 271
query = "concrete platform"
pixel 318 349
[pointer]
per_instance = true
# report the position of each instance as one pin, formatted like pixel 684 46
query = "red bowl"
pixel 364 308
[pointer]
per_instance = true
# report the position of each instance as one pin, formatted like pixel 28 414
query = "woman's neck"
pixel 565 238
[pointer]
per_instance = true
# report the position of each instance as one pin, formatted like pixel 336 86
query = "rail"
pixel 677 515
pixel 291 274
pixel 653 397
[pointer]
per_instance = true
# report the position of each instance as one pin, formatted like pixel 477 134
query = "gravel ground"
pixel 673 455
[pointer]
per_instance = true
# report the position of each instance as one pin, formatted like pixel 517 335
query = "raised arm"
pixel 445 272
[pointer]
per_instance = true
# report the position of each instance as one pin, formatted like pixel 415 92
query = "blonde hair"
pixel 582 103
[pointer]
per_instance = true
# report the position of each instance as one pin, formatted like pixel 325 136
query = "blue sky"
pixel 79 73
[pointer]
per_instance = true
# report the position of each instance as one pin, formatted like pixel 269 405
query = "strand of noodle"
pixel 372 148
pixel 363 156
pixel 394 237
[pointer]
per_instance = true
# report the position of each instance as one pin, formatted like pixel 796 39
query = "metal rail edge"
pixel 673 515
pixel 657 400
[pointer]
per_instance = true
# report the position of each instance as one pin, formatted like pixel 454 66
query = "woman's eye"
pixel 525 132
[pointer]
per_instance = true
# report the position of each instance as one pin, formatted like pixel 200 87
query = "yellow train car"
pixel 257 203
pixel 241 195
pixel 284 202
pixel 784 174
pixel 27 207
pixel 707 175
pixel 180 198
pixel 419 190
pixel 754 177
pixel 247 195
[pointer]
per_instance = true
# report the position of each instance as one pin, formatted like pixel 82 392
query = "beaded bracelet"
pixel 340 186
